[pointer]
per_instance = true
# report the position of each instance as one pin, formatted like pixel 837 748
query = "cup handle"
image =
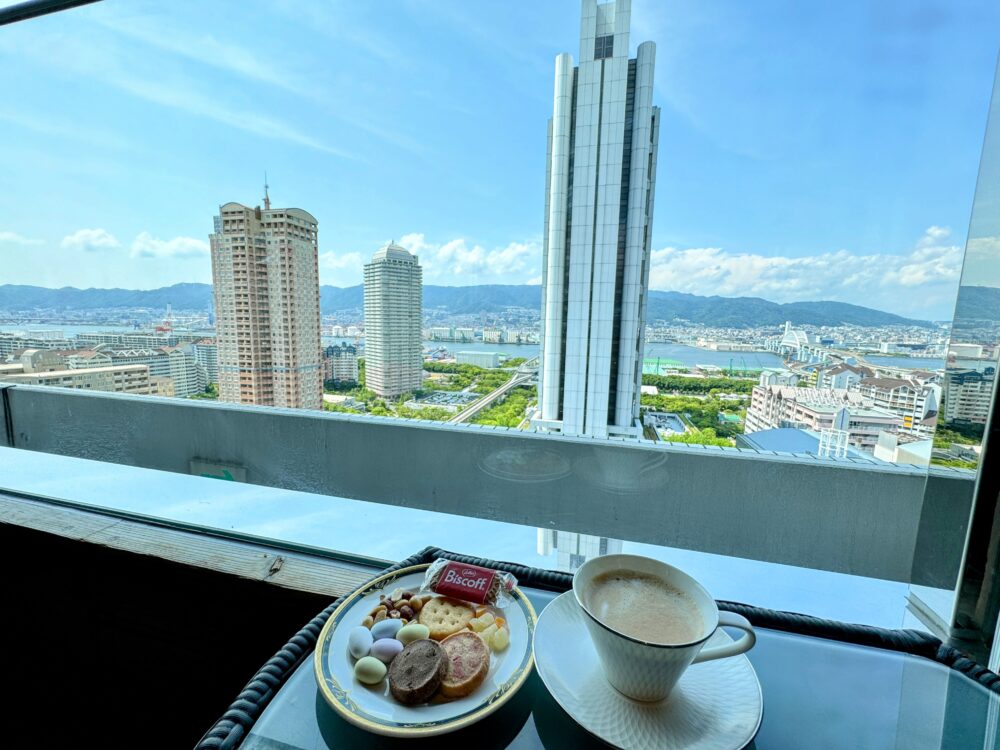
pixel 739 646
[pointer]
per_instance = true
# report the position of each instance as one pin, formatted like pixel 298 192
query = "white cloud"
pixel 456 262
pixel 13 238
pixel 90 240
pixel 146 245
pixel 452 263
pixel 341 269
pixel 921 282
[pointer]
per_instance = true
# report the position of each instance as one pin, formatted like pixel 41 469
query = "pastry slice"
pixel 467 660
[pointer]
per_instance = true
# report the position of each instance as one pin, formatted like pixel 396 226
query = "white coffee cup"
pixel 648 671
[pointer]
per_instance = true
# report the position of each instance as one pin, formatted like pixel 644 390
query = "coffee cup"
pixel 642 668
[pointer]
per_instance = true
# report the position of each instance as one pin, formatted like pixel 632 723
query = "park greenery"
pixel 701 413
pixel 956 463
pixel 679 384
pixel 509 411
pixel 211 392
pixel 945 436
pixel 514 362
pixel 701 437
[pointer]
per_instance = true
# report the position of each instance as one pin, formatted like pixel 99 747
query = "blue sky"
pixel 807 151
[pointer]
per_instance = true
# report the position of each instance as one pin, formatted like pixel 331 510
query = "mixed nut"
pixel 397 605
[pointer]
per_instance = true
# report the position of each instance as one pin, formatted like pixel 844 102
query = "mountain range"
pixel 489 298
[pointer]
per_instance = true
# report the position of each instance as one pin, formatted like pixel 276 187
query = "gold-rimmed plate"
pixel 374 709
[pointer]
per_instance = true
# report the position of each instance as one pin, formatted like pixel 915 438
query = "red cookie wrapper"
pixel 470 583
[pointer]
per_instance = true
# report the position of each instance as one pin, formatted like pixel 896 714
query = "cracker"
pixel 445 616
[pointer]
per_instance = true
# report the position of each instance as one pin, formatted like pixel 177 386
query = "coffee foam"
pixel 644 607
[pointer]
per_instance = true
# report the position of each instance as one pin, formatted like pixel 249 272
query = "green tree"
pixel 702 437
pixel 509 411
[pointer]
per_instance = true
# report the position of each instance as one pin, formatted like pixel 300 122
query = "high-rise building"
pixel 968 395
pixel 266 282
pixel 393 349
pixel 600 175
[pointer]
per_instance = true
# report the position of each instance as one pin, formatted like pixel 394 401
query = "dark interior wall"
pixel 109 649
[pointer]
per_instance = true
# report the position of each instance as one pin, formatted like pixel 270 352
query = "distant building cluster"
pixel 149 363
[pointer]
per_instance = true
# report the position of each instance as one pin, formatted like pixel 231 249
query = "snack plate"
pixel 717 705
pixel 374 709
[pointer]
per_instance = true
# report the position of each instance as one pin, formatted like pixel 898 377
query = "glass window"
pixel 760 327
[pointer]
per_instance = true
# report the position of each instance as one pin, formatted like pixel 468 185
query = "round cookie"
pixel 415 674
pixel 445 616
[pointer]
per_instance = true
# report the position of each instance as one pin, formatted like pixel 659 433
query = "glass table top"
pixel 817 694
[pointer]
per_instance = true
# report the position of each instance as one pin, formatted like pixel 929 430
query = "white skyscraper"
pixel 601 172
pixel 393 349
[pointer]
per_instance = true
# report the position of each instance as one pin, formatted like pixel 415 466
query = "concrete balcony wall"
pixel 848 516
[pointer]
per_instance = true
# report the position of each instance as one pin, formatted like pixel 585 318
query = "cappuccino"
pixel 644 607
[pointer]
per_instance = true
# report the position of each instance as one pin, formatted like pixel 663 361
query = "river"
pixel 685 356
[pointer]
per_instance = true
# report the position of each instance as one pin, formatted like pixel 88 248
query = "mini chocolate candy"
pixel 369 670
pixel 386 629
pixel 386 649
pixel 359 642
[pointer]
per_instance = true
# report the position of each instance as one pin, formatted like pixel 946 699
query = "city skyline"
pixel 799 221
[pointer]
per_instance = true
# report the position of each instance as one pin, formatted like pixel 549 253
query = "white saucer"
pixel 717 705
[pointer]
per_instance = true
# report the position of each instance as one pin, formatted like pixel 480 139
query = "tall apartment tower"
pixel 600 175
pixel 393 349
pixel 266 281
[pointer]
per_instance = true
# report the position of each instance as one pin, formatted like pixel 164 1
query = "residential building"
pixel 493 336
pixel 154 358
pixel 81 358
pixel 133 340
pixel 38 360
pixel 117 378
pixel 160 386
pixel 968 395
pixel 393 349
pixel 600 176
pixel 907 398
pixel 842 376
pixel 189 376
pixel 773 376
pixel 816 409
pixel 12 342
pixel 489 360
pixel 266 282
pixel 207 354
pixel 340 363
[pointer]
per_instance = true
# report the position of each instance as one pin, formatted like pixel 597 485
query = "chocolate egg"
pixel 369 670
pixel 359 642
pixel 385 649
pixel 386 629
pixel 413 632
